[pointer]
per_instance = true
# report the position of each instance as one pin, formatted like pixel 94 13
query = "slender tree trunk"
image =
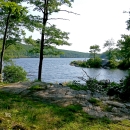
pixel 45 18
pixel 41 57
pixel 3 46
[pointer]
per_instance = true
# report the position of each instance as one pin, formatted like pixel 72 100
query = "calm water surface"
pixel 59 70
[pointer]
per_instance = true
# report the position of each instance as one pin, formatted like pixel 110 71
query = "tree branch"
pixel 41 9
pixel 49 23
pixel 67 12
pixel 57 18
pixel 86 73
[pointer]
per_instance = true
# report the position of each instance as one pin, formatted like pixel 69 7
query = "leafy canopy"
pixel 94 50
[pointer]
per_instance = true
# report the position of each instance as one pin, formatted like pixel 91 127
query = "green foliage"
pixel 14 73
pixel 73 54
pixel 54 37
pixel 23 50
pixel 76 85
pixel 113 64
pixel 107 108
pixel 95 101
pixel 126 87
pixel 74 108
pixel 36 87
pixel 124 64
pixel 12 21
pixel 93 84
pixel 12 15
pixel 109 44
pixel 94 63
pixel 94 50
pixel 124 47
pixel 91 63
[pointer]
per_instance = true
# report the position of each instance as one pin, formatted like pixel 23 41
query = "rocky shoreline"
pixel 93 103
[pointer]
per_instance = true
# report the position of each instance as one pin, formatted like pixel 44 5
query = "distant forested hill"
pixel 22 50
pixel 73 54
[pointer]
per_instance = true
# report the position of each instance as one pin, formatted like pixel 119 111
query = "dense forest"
pixel 22 51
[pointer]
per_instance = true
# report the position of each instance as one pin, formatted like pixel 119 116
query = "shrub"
pixel 83 64
pixel 95 101
pixel 76 85
pixel 125 94
pixel 113 64
pixel 14 74
pixel 91 63
pixel 124 65
pixel 107 108
pixel 94 63
pixel 121 90
pixel 76 63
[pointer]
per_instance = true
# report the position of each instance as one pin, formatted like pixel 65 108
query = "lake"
pixel 59 70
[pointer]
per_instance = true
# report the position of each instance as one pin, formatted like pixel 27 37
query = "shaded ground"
pixel 27 110
pixel 102 106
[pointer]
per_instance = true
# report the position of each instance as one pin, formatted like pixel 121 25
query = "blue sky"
pixel 99 20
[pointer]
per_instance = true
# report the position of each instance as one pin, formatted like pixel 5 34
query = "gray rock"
pixel 62 91
pixel 82 92
pixel 97 95
pixel 104 98
pixel 114 109
pixel 98 109
pixel 88 92
pixel 125 110
pixel 116 104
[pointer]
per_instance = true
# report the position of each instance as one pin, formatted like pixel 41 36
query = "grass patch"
pixel 107 108
pixel 95 101
pixel 36 87
pixel 25 113
pixel 75 85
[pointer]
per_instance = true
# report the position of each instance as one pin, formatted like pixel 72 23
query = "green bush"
pixel 113 64
pixel 91 63
pixel 126 88
pixel 95 101
pixel 124 65
pixel 94 63
pixel 83 64
pixel 14 74
pixel 76 85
